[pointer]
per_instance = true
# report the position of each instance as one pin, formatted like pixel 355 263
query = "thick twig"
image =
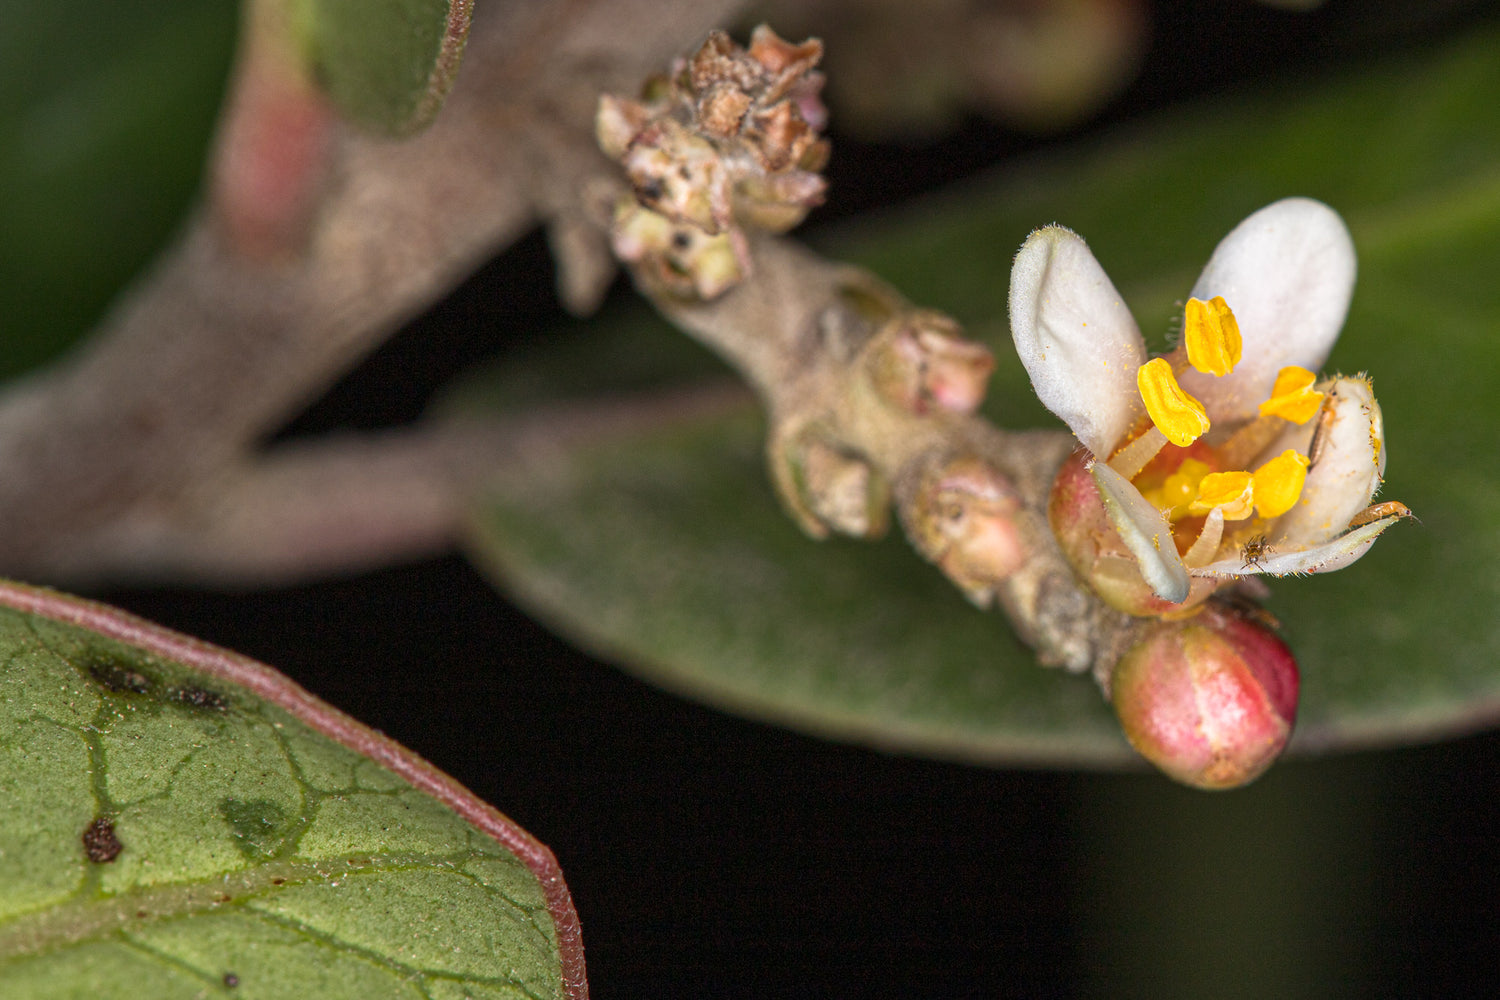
pixel 347 502
pixel 808 333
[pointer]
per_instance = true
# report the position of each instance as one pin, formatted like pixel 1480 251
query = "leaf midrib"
pixel 81 920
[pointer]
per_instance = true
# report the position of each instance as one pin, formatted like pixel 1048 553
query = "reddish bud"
pixel 924 363
pixel 275 149
pixel 1210 700
pixel 1095 550
pixel 963 519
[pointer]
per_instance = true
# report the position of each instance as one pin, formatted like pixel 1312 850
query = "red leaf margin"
pixel 269 684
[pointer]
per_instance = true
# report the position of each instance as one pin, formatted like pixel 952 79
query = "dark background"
pixel 710 856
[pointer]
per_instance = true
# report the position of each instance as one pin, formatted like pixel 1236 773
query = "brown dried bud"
pixel 722 110
pixel 730 139
pixel 962 518
pixel 922 362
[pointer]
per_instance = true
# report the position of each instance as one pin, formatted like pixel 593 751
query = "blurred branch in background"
pixel 316 242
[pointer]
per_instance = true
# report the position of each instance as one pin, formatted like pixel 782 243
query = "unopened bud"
pixel 1210 700
pixel 680 175
pixel 616 124
pixel 962 518
pixel 922 363
pixel 1094 549
pixel 827 486
pixel 841 489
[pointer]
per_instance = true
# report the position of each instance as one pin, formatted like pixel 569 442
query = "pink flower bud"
pixel 1095 550
pixel 1210 700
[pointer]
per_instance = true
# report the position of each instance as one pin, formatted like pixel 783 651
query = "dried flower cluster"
pixel 729 140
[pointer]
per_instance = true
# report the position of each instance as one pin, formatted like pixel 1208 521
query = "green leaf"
pixel 183 822
pixel 105 107
pixel 662 548
pixel 387 64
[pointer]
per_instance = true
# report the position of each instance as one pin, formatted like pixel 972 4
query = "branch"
pixel 350 501
pixel 872 402
pixel 306 256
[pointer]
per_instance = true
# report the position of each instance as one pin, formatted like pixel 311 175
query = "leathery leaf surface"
pixel 171 831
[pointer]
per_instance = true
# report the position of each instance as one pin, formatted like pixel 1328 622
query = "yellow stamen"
pixel 1181 488
pixel 1278 483
pixel 1293 396
pixel 1176 414
pixel 1212 336
pixel 1231 492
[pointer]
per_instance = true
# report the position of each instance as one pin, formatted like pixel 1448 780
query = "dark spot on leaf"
pixel 259 825
pixel 118 676
pixel 99 841
pixel 231 980
pixel 680 240
pixel 199 698
pixel 141 914
pixel 278 880
pixel 650 191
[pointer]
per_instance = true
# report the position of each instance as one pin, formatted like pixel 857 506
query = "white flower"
pixel 1226 457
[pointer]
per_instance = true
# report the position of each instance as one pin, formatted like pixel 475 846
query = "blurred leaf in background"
pixel 105 112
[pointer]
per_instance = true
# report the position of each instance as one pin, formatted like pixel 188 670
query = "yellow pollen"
pixel 1278 483
pixel 1176 414
pixel 1180 488
pixel 1231 492
pixel 1212 336
pixel 1293 396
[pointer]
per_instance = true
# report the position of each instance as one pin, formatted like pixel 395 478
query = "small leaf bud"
pixel 841 489
pixel 922 363
pixel 962 518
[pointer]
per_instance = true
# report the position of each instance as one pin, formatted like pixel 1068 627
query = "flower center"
pixel 1188 484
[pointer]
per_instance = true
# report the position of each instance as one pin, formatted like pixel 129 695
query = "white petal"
pixel 1331 555
pixel 1287 272
pixel 1145 532
pixel 1076 338
pixel 1349 456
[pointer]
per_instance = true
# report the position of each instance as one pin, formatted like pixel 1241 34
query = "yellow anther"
pixel 1181 488
pixel 1293 396
pixel 1212 336
pixel 1231 492
pixel 1176 414
pixel 1278 483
